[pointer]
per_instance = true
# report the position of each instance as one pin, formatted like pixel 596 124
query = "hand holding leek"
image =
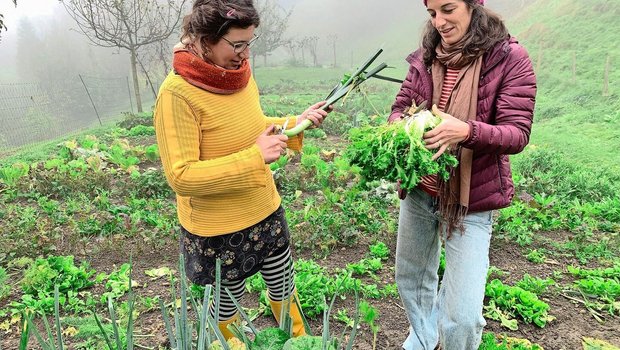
pixel 315 114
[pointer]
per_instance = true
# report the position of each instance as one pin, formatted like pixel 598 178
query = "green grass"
pixel 572 115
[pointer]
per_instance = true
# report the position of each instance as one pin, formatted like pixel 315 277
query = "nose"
pixel 439 21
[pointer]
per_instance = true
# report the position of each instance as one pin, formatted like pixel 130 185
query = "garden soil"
pixel 573 320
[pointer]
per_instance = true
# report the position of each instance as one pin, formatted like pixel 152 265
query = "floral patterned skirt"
pixel 242 252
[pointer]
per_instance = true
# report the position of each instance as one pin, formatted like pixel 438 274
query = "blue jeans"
pixel 452 316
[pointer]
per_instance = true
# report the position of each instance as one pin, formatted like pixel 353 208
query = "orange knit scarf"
pixel 208 76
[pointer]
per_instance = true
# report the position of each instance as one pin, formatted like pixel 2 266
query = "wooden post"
pixel 540 58
pixel 574 67
pixel 90 98
pixel 606 77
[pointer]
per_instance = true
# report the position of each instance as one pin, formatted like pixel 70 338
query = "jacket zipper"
pixel 499 175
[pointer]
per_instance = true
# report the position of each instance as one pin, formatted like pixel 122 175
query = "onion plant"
pixel 203 333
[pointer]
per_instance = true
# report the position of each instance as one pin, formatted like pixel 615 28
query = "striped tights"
pixel 274 269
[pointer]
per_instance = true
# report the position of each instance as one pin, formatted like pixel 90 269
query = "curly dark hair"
pixel 210 20
pixel 485 30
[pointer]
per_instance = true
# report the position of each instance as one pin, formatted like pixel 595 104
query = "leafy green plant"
pixel 44 274
pixel 534 284
pixel 5 288
pixel 142 130
pixel 365 266
pixel 536 256
pixel 601 284
pixel 122 341
pixel 513 301
pixel 117 283
pixel 132 120
pixel 492 342
pixel 280 163
pixel 152 153
pixel 369 315
pixel 11 174
pixel 396 151
pixel 118 155
pixel 379 250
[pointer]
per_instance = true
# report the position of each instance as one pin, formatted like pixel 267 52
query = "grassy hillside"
pixel 572 44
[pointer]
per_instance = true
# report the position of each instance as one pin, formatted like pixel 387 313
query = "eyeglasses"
pixel 240 46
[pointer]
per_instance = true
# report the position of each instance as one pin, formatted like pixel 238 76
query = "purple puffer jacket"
pixel 506 97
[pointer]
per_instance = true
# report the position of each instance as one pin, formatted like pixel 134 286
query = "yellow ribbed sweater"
pixel 207 144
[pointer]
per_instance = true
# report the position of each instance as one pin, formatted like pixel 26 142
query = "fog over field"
pixel 42 28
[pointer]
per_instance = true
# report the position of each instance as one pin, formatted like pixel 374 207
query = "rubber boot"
pixel 223 326
pixel 294 312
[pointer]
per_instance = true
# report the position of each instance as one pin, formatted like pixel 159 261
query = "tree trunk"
pixel 134 75
pixel 148 77
pixel 265 60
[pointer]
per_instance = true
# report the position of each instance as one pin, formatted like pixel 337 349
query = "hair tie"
pixel 230 13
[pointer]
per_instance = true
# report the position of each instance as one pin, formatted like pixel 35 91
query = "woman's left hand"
pixel 449 132
pixel 314 114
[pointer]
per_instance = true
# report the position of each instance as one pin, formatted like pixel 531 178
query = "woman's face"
pixel 451 18
pixel 232 49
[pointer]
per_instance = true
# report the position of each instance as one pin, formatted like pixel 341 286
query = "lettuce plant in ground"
pixel 396 151
pixel 492 342
pixel 599 287
pixel 506 302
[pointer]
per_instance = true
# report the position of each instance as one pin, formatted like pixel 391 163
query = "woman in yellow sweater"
pixel 216 145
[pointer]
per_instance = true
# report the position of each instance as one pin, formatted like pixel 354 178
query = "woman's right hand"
pixel 271 146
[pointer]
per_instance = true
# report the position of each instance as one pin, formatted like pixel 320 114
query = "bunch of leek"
pixel 346 85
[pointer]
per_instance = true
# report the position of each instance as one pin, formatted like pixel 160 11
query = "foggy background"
pixel 52 80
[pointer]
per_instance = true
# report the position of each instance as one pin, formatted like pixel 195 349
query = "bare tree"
pixel 154 61
pixel 292 46
pixel 126 24
pixel 301 44
pixel 333 39
pixel 2 25
pixel 273 23
pixel 312 44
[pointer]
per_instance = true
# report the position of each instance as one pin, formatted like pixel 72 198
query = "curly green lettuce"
pixel 396 151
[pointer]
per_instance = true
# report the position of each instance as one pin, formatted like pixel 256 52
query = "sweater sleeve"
pixel 296 142
pixel 514 110
pixel 178 136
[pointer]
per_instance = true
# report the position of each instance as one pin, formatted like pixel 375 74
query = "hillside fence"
pixel 34 112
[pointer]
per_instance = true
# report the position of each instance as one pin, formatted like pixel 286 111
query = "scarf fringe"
pixel 451 210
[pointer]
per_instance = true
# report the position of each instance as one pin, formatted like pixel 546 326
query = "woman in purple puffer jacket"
pixel 481 82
